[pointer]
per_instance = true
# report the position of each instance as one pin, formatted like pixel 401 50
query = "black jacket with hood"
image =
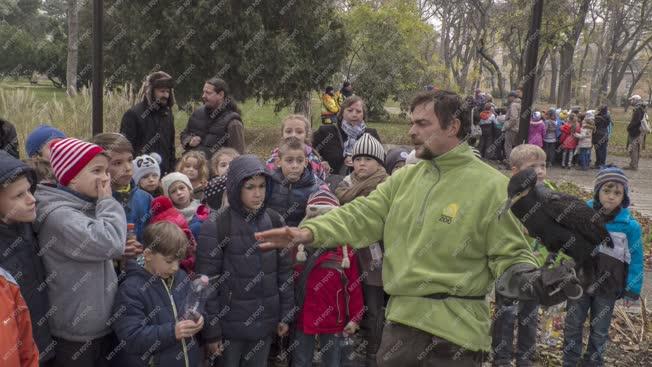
pixel 253 288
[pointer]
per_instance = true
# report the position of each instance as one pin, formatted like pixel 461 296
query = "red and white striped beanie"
pixel 69 156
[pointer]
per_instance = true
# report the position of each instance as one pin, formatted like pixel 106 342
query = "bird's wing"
pixel 576 216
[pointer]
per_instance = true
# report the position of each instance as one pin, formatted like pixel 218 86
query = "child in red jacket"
pixel 163 210
pixel 328 293
pixel 17 347
pixel 568 140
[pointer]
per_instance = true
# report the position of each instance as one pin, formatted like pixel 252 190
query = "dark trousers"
pixel 496 147
pixel 404 346
pixel 374 318
pixel 550 149
pixel 95 352
pixel 601 153
pixel 508 312
pixel 486 141
pixel 246 353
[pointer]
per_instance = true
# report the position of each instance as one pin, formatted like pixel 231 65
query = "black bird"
pixel 561 222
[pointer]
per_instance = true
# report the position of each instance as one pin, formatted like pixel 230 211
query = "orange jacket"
pixel 328 105
pixel 17 347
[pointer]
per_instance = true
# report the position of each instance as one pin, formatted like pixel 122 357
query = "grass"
pixel 27 105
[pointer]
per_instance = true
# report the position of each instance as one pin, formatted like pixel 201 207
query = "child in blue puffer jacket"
pixel 619 271
pixel 292 182
pixel 151 324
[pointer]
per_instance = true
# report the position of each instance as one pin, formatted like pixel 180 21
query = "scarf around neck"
pixel 357 187
pixel 189 211
pixel 353 133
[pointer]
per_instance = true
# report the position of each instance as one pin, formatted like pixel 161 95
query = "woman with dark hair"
pixel 335 142
pixel 216 124
pixel 8 138
pixel 601 134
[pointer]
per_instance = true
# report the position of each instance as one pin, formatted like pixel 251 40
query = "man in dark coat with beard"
pixel 216 124
pixel 149 125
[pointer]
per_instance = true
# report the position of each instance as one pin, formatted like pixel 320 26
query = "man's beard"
pixel 424 153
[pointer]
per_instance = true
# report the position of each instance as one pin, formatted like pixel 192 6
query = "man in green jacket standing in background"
pixel 444 244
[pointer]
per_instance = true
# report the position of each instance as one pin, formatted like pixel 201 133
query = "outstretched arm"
pixel 360 223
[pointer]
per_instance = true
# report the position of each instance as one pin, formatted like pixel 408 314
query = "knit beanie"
pixel 39 137
pixel 69 156
pixel 146 164
pixel 394 156
pixel 319 203
pixel 536 116
pixel 368 146
pixel 173 177
pixel 611 174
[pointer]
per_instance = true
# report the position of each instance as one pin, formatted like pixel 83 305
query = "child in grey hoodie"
pixel 81 230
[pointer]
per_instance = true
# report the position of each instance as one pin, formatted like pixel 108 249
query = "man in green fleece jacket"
pixel 444 243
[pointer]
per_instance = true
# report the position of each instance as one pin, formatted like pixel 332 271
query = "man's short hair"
pixel 525 153
pixel 219 85
pixel 448 106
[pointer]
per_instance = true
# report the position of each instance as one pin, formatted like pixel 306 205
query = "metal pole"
pixel 532 56
pixel 98 67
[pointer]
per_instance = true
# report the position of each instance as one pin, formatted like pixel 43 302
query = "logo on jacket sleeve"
pixel 449 213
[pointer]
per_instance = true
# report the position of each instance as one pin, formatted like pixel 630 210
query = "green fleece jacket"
pixel 439 222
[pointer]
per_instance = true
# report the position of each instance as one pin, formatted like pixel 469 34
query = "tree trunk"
pixel 539 73
pixel 501 79
pixel 619 72
pixel 303 107
pixel 567 52
pixel 565 76
pixel 614 82
pixel 580 74
pixel 73 48
pixel 636 77
pixel 552 98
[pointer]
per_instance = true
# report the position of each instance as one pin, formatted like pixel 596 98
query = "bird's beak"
pixel 511 201
pixel 508 204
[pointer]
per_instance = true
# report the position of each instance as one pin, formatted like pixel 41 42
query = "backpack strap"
pixel 300 290
pixel 223 222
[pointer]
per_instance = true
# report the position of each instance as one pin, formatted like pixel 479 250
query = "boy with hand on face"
pixel 81 230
